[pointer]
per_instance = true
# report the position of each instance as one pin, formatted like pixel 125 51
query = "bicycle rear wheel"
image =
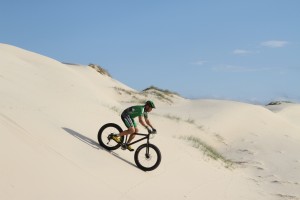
pixel 105 133
pixel 147 157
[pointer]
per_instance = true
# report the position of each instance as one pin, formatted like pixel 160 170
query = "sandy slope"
pixel 50 114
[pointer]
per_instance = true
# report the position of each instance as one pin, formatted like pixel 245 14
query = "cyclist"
pixel 128 115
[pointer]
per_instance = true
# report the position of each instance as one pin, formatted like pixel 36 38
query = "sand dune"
pixel 50 114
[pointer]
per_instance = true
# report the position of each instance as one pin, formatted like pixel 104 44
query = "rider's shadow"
pixel 93 143
pixel 83 138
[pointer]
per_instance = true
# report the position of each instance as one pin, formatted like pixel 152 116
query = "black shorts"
pixel 128 121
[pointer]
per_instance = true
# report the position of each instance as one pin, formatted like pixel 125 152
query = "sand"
pixel 50 114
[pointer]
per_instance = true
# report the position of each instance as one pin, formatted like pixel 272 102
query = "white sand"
pixel 50 114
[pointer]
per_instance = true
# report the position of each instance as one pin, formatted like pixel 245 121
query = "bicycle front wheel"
pixel 147 157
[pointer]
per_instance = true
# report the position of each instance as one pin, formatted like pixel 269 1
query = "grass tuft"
pixel 206 149
pixel 100 69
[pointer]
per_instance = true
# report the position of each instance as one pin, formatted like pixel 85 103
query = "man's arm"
pixel 146 124
pixel 149 123
pixel 141 120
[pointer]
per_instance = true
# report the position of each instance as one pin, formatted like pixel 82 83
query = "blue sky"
pixel 239 50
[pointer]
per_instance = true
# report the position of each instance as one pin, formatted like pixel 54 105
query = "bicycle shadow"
pixel 92 143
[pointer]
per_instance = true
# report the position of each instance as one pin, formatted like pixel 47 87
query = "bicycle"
pixel 147 156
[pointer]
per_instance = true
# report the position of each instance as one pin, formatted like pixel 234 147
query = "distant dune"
pixel 50 114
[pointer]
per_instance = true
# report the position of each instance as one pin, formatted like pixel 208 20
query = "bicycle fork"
pixel 147 149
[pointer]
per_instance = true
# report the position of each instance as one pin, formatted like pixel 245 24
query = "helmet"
pixel 150 103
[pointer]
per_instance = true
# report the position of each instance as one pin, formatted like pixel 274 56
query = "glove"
pixel 154 130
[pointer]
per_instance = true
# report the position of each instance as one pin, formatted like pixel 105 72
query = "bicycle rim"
pixel 105 133
pixel 146 158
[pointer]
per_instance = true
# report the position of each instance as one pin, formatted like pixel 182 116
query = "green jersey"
pixel 130 113
pixel 136 111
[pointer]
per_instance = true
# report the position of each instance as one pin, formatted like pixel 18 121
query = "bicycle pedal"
pixel 123 146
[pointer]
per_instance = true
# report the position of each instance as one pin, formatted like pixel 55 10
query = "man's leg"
pixel 132 135
pixel 130 130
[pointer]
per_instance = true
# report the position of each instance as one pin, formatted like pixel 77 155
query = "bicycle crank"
pixel 109 137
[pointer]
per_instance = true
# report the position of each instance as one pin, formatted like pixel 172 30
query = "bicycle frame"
pixel 146 136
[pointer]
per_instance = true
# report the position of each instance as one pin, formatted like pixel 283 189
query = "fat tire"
pixel 136 157
pixel 100 132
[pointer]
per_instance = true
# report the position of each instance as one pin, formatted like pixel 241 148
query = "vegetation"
pixel 66 63
pixel 173 117
pixel 115 109
pixel 122 90
pixel 206 149
pixel 100 69
pixel 161 94
pixel 167 92
pixel 141 97
pixel 278 103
